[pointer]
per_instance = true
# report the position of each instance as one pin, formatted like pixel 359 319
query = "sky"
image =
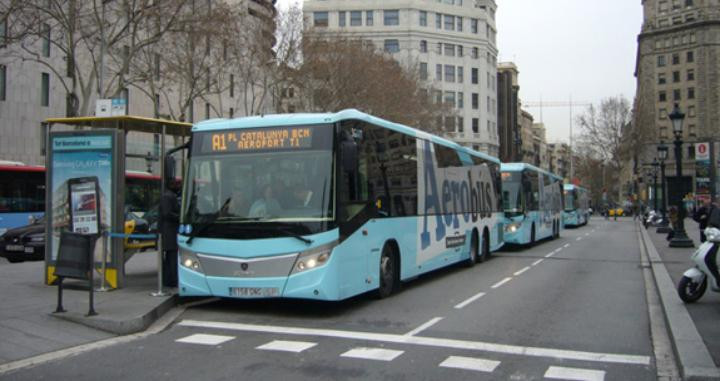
pixel 582 50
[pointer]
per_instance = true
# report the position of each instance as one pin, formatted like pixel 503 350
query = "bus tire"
pixel 389 271
pixel 474 251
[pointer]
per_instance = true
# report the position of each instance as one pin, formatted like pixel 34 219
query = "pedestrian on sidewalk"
pixel 170 221
pixel 701 216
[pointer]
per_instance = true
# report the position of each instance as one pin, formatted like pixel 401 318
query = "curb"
pixel 121 326
pixel 694 360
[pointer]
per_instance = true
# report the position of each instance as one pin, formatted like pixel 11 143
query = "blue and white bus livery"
pixel 576 206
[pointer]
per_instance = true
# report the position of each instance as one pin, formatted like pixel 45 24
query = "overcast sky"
pixel 584 49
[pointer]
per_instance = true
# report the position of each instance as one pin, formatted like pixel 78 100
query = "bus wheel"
pixel 474 255
pixel 388 272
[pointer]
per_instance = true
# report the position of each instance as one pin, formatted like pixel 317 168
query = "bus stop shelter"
pixel 96 147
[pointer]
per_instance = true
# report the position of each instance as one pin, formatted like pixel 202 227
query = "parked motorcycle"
pixel 694 282
pixel 652 218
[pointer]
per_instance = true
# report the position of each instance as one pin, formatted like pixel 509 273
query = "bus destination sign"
pixel 260 139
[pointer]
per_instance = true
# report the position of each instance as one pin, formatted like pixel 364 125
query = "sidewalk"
pixel 29 328
pixel 704 314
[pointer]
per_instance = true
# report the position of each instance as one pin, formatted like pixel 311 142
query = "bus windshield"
pixel 512 193
pixel 261 193
pixel 570 201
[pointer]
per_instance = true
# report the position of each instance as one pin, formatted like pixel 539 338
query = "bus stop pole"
pixel 160 291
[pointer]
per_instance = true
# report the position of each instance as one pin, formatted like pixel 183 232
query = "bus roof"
pixel 274 120
pixel 518 167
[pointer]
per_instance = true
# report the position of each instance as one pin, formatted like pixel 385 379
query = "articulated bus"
pixel 22 193
pixel 576 206
pixel 329 206
pixel 532 201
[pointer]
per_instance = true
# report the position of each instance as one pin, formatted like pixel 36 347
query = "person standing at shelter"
pixel 170 221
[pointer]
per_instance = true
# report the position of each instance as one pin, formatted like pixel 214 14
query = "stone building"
pixel 559 159
pixel 509 112
pixel 452 44
pixel 678 62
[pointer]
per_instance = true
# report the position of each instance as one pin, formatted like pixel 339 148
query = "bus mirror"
pixel 349 155
pixel 169 169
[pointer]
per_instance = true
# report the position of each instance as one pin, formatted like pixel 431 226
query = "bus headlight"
pixel 189 260
pixel 313 258
pixel 513 227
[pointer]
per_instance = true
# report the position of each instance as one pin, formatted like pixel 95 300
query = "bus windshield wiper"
pixel 295 235
pixel 210 221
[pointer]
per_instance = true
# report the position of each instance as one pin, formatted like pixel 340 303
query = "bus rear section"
pixel 532 204
pixel 354 204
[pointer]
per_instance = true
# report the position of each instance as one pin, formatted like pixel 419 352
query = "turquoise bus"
pixel 576 206
pixel 328 206
pixel 532 202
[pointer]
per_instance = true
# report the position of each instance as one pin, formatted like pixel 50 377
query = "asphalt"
pixel 29 328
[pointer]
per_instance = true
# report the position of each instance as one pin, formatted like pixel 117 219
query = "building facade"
pixel 559 159
pixel 451 43
pixel 509 112
pixel 32 90
pixel 678 62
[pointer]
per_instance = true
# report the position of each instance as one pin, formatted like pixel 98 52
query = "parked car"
pixel 616 212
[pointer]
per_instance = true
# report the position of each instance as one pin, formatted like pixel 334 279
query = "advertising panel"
pixel 702 170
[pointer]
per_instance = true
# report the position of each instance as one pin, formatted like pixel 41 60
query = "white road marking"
pixel 548 255
pixel 470 300
pixel 204 339
pixel 427 341
pixel 559 249
pixel 424 326
pixel 502 282
pixel 587 234
pixel 538 261
pixel 566 245
pixel 578 238
pixel 516 273
pixel 470 363
pixel 372 354
pixel 561 373
pixel 286 346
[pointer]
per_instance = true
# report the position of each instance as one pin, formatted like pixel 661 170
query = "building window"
pixel 459 23
pixel 474 76
pixel 423 70
pixel 46 40
pixel 475 125
pixel 232 112
pixel 320 19
pixel 688 3
pixel 676 76
pixel 691 151
pixel 449 22
pixel 342 18
pixel 392 46
pixel 690 56
pixel 691 75
pixel 438 20
pixel 475 53
pixel 232 85
pixel 3 82
pixel 45 90
pixel 438 100
pixel 691 111
pixel 423 46
pixel 662 114
pixel 662 96
pixel 438 72
pixel 3 33
pixel 460 50
pixel 661 79
pixel 475 101
pixel 661 61
pixel 207 110
pixel 460 74
pixel 488 104
pixel 449 73
pixel 450 98
pixel 450 50
pixel 423 18
pixel 392 17
pixel 449 124
pixel 691 93
pixel 369 18
pixel 460 124
pixel 460 100
pixel 676 59
pixel 676 95
pixel 355 18
pixel 438 49
pixel 474 26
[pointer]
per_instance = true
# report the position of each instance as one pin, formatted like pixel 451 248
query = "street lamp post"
pixel 662 150
pixel 680 238
pixel 655 165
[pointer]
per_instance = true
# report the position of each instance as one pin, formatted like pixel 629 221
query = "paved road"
pixel 572 308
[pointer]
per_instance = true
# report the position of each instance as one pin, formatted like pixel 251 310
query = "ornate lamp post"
pixel 662 150
pixel 655 165
pixel 680 238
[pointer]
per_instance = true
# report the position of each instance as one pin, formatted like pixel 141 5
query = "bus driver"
pixel 267 205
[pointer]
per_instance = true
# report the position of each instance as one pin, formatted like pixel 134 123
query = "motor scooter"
pixel 652 219
pixel 694 281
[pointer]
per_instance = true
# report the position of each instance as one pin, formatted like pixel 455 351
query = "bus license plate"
pixel 254 292
pixel 14 248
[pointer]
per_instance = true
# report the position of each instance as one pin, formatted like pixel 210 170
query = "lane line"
pixel 550 254
pixel 286 346
pixel 562 373
pixel 469 300
pixel 538 261
pixel 502 282
pixel 423 327
pixel 559 249
pixel 428 341
pixel 578 238
pixel 469 363
pixel 587 234
pixel 566 245
pixel 521 271
pixel 377 354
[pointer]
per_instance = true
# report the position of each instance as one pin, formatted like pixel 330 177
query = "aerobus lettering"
pixel 431 200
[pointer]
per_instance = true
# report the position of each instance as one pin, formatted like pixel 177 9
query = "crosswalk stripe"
pixel 287 346
pixel 372 354
pixel 201 338
pixel 470 363
pixel 576 374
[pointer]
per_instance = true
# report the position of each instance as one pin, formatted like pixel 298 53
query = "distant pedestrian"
pixel 170 220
